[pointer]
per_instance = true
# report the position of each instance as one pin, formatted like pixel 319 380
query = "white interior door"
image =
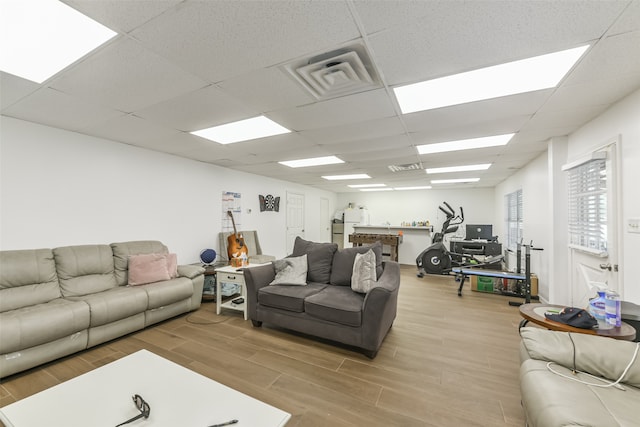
pixel 295 218
pixel 325 223
pixel 591 266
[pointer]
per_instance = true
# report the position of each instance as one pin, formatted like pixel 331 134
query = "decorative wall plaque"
pixel 269 203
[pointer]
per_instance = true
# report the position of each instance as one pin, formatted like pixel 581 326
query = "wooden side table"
pixel 535 313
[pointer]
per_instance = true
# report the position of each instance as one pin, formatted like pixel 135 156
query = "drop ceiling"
pixel 180 66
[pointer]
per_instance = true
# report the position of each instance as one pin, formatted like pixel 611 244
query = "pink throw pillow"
pixel 147 268
pixel 172 265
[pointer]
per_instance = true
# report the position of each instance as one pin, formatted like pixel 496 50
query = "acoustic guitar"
pixel 235 242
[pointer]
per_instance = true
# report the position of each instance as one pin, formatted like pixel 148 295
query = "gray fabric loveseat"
pixel 55 302
pixel 325 305
pixel 551 400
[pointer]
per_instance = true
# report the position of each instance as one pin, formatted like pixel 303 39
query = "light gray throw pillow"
pixel 363 277
pixel 290 271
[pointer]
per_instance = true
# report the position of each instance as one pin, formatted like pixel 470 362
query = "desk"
pixel 475 247
pixel 177 397
pixel 535 314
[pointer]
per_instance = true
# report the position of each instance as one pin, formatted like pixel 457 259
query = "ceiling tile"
pixel 53 108
pixel 224 38
pixel 14 88
pixel 126 76
pixel 364 106
pixel 443 38
pixel 120 15
pixel 199 109
pixel 267 89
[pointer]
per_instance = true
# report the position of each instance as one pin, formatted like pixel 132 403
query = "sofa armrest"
pixel 380 306
pixel 254 279
pixel 190 271
pixel 600 356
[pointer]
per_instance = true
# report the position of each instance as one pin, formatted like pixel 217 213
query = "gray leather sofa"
pixel 55 302
pixel 326 306
pixel 551 400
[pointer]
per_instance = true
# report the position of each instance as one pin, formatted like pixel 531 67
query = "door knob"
pixel 605 266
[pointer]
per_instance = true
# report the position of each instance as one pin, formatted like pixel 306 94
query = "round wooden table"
pixel 535 313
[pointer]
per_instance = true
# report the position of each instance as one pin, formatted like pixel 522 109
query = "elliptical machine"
pixel 436 259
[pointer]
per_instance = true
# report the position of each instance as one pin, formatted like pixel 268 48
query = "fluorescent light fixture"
pixel 421 187
pixel 465 144
pixel 38 38
pixel 454 181
pixel 315 161
pixel 465 168
pixel 243 130
pixel 377 189
pixel 527 75
pixel 341 177
pixel 365 185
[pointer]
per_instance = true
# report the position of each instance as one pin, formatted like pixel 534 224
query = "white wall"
pixel 533 180
pixel 62 188
pixel 396 207
pixel 622 119
pixel 544 192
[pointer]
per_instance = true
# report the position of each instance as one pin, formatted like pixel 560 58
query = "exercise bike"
pixel 437 259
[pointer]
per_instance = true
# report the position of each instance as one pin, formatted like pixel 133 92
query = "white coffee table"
pixel 178 397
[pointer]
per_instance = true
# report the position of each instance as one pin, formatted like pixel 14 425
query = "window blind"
pixel 587 184
pixel 514 218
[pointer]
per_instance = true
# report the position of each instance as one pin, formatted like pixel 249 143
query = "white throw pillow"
pixel 363 277
pixel 291 271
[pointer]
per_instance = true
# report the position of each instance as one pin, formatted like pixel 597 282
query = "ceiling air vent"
pixel 403 168
pixel 337 73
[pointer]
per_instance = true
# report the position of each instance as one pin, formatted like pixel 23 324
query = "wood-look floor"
pixel 447 361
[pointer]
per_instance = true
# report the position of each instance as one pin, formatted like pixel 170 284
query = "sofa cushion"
pixel 336 304
pixel 364 272
pixel 122 251
pixel 168 292
pixel 288 297
pixel 85 269
pixel 290 271
pixel 343 260
pixel 27 277
pixel 41 323
pixel 147 268
pixel 319 258
pixel 115 304
pixel 552 401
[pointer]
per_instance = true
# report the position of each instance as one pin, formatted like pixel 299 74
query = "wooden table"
pixel 392 240
pixel 535 314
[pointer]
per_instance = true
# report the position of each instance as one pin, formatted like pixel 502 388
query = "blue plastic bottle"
pixel 597 308
pixel 613 310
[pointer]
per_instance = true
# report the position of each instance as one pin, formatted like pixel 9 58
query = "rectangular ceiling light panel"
pixel 377 189
pixel 366 185
pixel 465 168
pixel 420 187
pixel 454 181
pixel 527 75
pixel 465 144
pixel 343 177
pixel 315 161
pixel 38 38
pixel 243 130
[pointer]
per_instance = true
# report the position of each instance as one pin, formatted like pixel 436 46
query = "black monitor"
pixel 479 232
